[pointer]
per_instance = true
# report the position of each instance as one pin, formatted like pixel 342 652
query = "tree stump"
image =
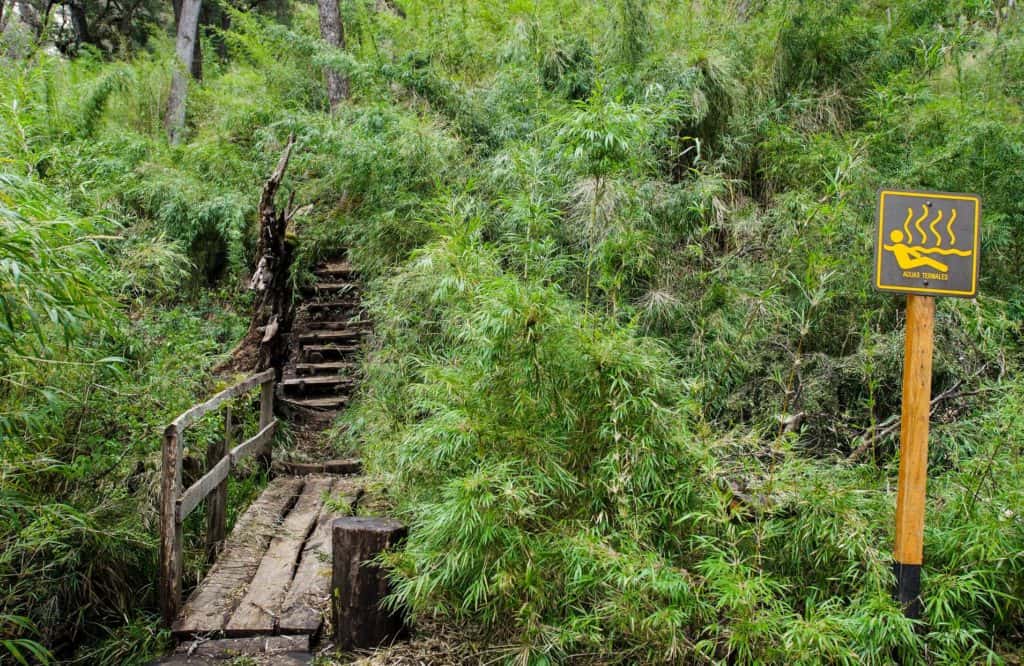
pixel 359 586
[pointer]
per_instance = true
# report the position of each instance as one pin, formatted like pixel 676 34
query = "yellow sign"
pixel 927 243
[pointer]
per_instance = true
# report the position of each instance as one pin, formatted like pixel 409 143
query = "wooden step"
pixel 333 402
pixel 332 287
pixel 318 385
pixel 346 466
pixel 324 380
pixel 330 336
pixel 332 304
pixel 327 325
pixel 321 353
pixel 325 367
pixel 343 268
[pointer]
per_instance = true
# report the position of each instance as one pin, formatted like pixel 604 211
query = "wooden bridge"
pixel 268 586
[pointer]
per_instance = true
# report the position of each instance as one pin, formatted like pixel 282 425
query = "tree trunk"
pixel 188 24
pixel 333 32
pixel 3 3
pixel 80 23
pixel 272 311
pixel 197 48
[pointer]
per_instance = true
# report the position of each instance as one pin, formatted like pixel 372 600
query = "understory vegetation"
pixel 630 385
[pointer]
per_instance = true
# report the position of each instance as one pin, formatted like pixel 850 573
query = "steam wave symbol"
pixel 933 227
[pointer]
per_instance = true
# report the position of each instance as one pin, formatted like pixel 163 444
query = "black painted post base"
pixel 908 588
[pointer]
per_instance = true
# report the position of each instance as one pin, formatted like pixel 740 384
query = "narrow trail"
pixel 267 596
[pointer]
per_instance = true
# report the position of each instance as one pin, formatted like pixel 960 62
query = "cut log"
pixel 259 609
pixel 358 586
pixel 328 325
pixel 342 270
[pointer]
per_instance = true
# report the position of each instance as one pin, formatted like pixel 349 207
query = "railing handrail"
pixel 176 504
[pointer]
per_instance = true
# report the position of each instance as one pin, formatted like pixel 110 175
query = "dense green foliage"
pixel 618 256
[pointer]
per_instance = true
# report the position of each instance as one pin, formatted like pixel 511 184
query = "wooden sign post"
pixel 910 494
pixel 940 261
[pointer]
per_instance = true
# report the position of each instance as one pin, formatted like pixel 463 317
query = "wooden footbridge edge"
pixel 176 503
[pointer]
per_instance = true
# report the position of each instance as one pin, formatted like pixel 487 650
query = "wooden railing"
pixel 176 504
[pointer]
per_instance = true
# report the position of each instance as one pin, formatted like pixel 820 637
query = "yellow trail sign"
pixel 927 243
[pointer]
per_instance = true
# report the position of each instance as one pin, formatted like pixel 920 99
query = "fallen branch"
pixel 891 425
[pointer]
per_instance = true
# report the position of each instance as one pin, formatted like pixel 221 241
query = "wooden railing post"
pixel 266 416
pixel 217 501
pixel 170 528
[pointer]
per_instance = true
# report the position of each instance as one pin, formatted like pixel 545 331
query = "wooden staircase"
pixel 326 336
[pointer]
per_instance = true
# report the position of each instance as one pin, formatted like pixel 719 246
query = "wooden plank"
pixel 341 349
pixel 227 648
pixel 217 502
pixel 259 609
pixel 254 443
pixel 309 594
pixel 329 335
pixel 215 599
pixel 267 403
pixel 330 366
pixel 170 530
pixel 344 466
pixel 322 380
pixel 198 491
pixel 197 412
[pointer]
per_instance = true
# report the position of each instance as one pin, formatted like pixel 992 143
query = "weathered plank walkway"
pixel 273 576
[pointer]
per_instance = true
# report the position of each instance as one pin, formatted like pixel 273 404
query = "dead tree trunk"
pixel 197 48
pixel 188 24
pixel 271 318
pixel 333 32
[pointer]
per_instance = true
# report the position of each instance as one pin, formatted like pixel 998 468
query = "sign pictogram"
pixel 927 243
